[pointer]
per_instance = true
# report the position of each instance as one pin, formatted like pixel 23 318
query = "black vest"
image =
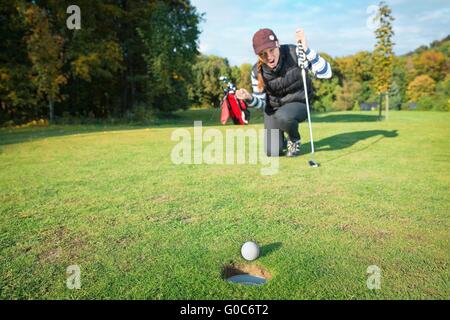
pixel 284 84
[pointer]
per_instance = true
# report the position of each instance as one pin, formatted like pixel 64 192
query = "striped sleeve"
pixel 318 65
pixel 258 97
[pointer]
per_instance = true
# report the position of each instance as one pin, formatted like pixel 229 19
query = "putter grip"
pixel 301 54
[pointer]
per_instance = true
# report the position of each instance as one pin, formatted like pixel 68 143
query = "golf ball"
pixel 250 251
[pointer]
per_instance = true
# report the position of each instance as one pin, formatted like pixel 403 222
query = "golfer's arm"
pixel 318 65
pixel 258 100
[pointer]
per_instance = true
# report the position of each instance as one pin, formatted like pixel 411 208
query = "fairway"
pixel 110 200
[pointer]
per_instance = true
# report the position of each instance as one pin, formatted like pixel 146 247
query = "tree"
pixel 383 53
pixel 45 54
pixel 443 94
pixel 394 92
pixel 357 67
pixel 235 76
pixel 347 95
pixel 171 47
pixel 421 86
pixel 401 77
pixel 206 88
pixel 443 88
pixel 126 53
pixel 325 91
pixel 432 63
pixel 18 101
pixel 245 77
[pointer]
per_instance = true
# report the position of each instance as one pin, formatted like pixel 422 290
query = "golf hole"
pixel 249 275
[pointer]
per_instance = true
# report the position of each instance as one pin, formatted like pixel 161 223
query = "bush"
pixel 67 118
pixel 436 103
pixel 425 103
pixel 9 123
pixel 405 106
pixel 421 86
pixel 443 87
pixel 395 102
pixel 141 114
pixel 32 123
pixel 442 104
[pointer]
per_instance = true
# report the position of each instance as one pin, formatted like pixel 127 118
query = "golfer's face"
pixel 270 57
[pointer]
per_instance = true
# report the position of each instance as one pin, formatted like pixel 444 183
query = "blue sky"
pixel 337 27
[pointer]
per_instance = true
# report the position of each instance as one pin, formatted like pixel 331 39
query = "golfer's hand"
pixel 243 94
pixel 301 37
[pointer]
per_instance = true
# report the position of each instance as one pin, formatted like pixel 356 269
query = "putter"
pixel 301 59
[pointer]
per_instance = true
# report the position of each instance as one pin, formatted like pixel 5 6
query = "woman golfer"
pixel 278 89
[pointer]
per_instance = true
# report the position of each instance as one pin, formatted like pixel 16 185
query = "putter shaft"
pixel 302 57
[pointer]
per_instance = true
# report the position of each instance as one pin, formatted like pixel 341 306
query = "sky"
pixel 336 27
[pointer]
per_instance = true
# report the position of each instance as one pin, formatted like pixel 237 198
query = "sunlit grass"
pixel 109 199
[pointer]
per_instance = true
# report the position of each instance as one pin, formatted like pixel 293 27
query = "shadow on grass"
pixel 348 139
pixel 20 135
pixel 270 248
pixel 345 118
pixel 209 117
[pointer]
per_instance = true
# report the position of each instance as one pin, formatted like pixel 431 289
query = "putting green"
pixel 110 201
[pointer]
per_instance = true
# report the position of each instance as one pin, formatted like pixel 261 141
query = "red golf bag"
pixel 233 107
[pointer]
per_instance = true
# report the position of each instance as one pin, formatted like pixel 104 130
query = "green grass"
pixel 110 200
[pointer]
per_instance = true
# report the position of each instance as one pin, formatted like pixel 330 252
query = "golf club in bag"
pixel 233 107
pixel 301 61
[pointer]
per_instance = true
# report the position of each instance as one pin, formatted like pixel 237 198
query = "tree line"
pixel 131 59
pixel 419 80
pixel 128 59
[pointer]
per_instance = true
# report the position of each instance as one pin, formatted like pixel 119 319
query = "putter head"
pixel 313 164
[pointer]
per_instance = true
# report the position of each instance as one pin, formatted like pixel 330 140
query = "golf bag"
pixel 233 107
